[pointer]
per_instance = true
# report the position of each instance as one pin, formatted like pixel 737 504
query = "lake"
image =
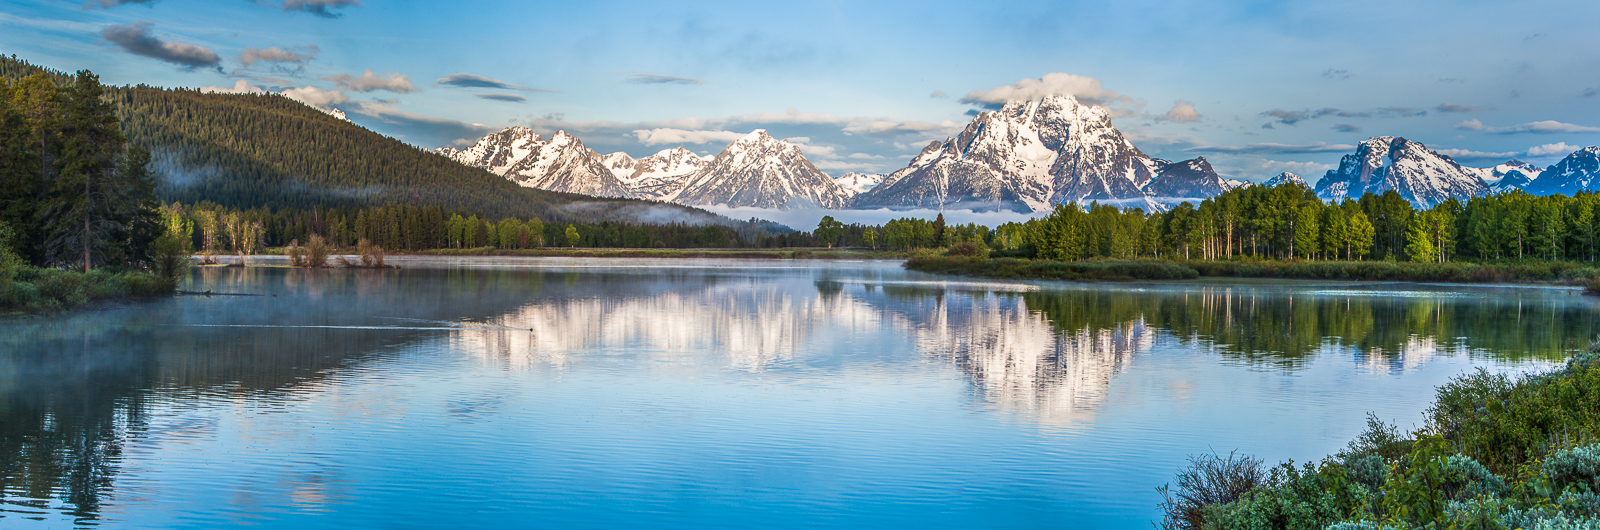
pixel 676 393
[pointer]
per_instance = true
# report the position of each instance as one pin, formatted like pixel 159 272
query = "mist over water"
pixel 588 393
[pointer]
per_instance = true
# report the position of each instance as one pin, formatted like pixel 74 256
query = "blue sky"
pixel 1255 87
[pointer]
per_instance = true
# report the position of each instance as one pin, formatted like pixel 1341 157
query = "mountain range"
pixel 1026 156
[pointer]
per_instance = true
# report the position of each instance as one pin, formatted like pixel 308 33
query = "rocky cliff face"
pixel 1578 172
pixel 561 163
pixel 1189 179
pixel 1027 156
pixel 764 172
pixel 1384 163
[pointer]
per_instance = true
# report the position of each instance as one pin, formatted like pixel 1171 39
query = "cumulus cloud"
pixel 890 128
pixel 939 94
pixel 1470 125
pixel 465 80
pixel 1182 112
pixel 369 82
pixel 108 4
pixel 136 39
pixel 1560 148
pixel 1454 107
pixel 316 97
pixel 317 7
pixel 1273 148
pixel 1085 89
pixel 239 87
pixel 679 136
pixel 250 56
pixel 1346 128
pixel 658 79
pixel 503 97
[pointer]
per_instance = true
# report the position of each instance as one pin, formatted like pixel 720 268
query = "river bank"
pixel 1558 273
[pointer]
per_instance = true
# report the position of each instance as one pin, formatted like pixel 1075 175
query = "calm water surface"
pixel 711 394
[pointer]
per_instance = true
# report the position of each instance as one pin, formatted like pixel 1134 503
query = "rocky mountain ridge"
pixel 1027 156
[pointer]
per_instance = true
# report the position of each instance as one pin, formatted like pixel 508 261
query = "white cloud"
pixel 1182 112
pixel 316 97
pixel 665 135
pixel 1534 127
pixel 277 55
pixel 369 82
pixel 239 87
pixel 1560 148
pixel 1085 89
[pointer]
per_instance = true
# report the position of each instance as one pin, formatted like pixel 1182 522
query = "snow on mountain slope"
pixel 858 183
pixel 619 163
pixel 1384 163
pixel 1027 156
pixel 561 163
pixel 1189 179
pixel 662 176
pixel 1286 178
pixel 1578 172
pixel 764 172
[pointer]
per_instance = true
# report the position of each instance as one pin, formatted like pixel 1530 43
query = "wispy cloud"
pixel 939 94
pixel 1085 89
pixel 317 7
pixel 1346 128
pixel 369 82
pixel 658 79
pixel 1453 107
pixel 1468 154
pixel 1336 74
pixel 503 97
pixel 666 135
pixel 1273 148
pixel 250 56
pixel 136 39
pixel 108 4
pixel 1533 127
pixel 465 80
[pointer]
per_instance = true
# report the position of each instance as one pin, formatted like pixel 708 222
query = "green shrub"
pixel 1209 481
pixel 1578 465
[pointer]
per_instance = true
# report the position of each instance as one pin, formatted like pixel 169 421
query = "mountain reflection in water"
pixel 78 390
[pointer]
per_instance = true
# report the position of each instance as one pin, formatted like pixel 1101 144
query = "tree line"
pixel 1290 222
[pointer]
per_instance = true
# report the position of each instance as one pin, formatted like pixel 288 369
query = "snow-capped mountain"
pixel 1027 156
pixel 1512 175
pixel 765 172
pixel 1189 179
pixel 858 183
pixel 1384 163
pixel 662 176
pixel 619 163
pixel 1286 178
pixel 1579 171
pixel 562 163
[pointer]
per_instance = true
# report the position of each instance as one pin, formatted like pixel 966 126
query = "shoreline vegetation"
pixel 1496 452
pixel 1553 272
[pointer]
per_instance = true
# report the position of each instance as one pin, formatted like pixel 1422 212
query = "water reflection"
pixel 77 391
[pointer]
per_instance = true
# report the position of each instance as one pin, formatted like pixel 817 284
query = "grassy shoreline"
pixel 1559 273
pixel 34 290
pixel 1495 452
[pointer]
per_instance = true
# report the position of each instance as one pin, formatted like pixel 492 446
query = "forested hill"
pixel 267 151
